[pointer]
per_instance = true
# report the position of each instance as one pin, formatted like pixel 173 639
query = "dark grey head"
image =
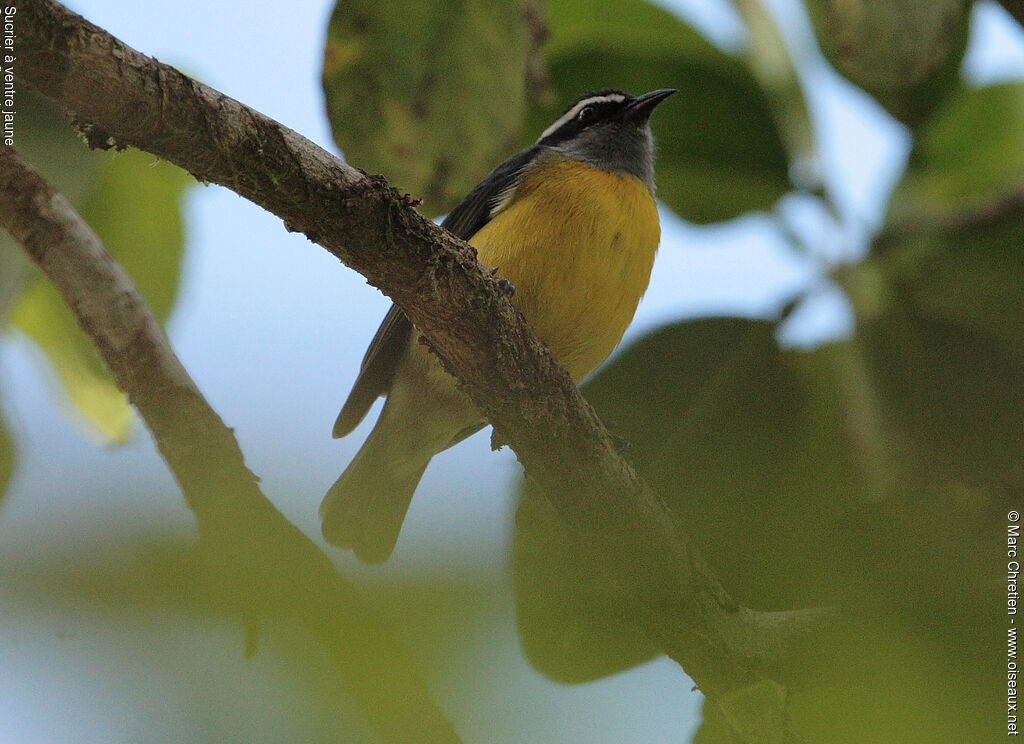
pixel 609 129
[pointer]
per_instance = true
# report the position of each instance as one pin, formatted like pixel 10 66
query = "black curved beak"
pixel 640 108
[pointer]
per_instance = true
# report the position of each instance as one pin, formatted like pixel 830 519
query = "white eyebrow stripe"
pixel 571 113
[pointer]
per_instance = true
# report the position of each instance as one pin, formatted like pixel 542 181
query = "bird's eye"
pixel 587 112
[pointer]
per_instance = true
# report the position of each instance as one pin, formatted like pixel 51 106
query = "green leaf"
pixel 953 396
pixel 53 148
pixel 133 206
pixel 7 458
pixel 905 54
pixel 950 401
pixel 621 22
pixel 428 93
pixel 972 278
pixel 865 475
pixel 954 244
pixel 744 441
pixel 42 315
pixel 720 153
pixel 967 157
pixel 569 630
pixel 759 451
pixel 15 268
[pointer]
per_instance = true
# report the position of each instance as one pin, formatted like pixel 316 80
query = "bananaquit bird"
pixel 571 223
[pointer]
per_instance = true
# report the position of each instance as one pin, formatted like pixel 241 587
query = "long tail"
pixel 366 506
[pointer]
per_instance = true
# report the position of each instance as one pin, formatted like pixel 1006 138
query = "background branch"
pixel 294 581
pixel 123 98
pixel 988 213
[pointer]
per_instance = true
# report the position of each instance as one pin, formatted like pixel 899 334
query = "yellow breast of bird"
pixel 577 243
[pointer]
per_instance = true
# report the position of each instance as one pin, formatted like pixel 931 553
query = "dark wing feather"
pixel 392 338
pixel 473 212
pixel 376 371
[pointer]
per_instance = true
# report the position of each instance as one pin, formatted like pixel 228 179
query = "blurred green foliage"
pixel 7 456
pixel 406 87
pixel 133 203
pixel 178 612
pixel 428 93
pixel 904 54
pixel 954 242
pixel 966 157
pixel 720 153
pixel 872 474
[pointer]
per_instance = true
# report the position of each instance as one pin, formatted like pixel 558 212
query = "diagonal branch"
pixel 293 580
pixel 1015 8
pixel 123 98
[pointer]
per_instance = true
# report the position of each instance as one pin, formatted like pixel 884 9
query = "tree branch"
pixel 124 98
pixel 294 580
pixel 1015 8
